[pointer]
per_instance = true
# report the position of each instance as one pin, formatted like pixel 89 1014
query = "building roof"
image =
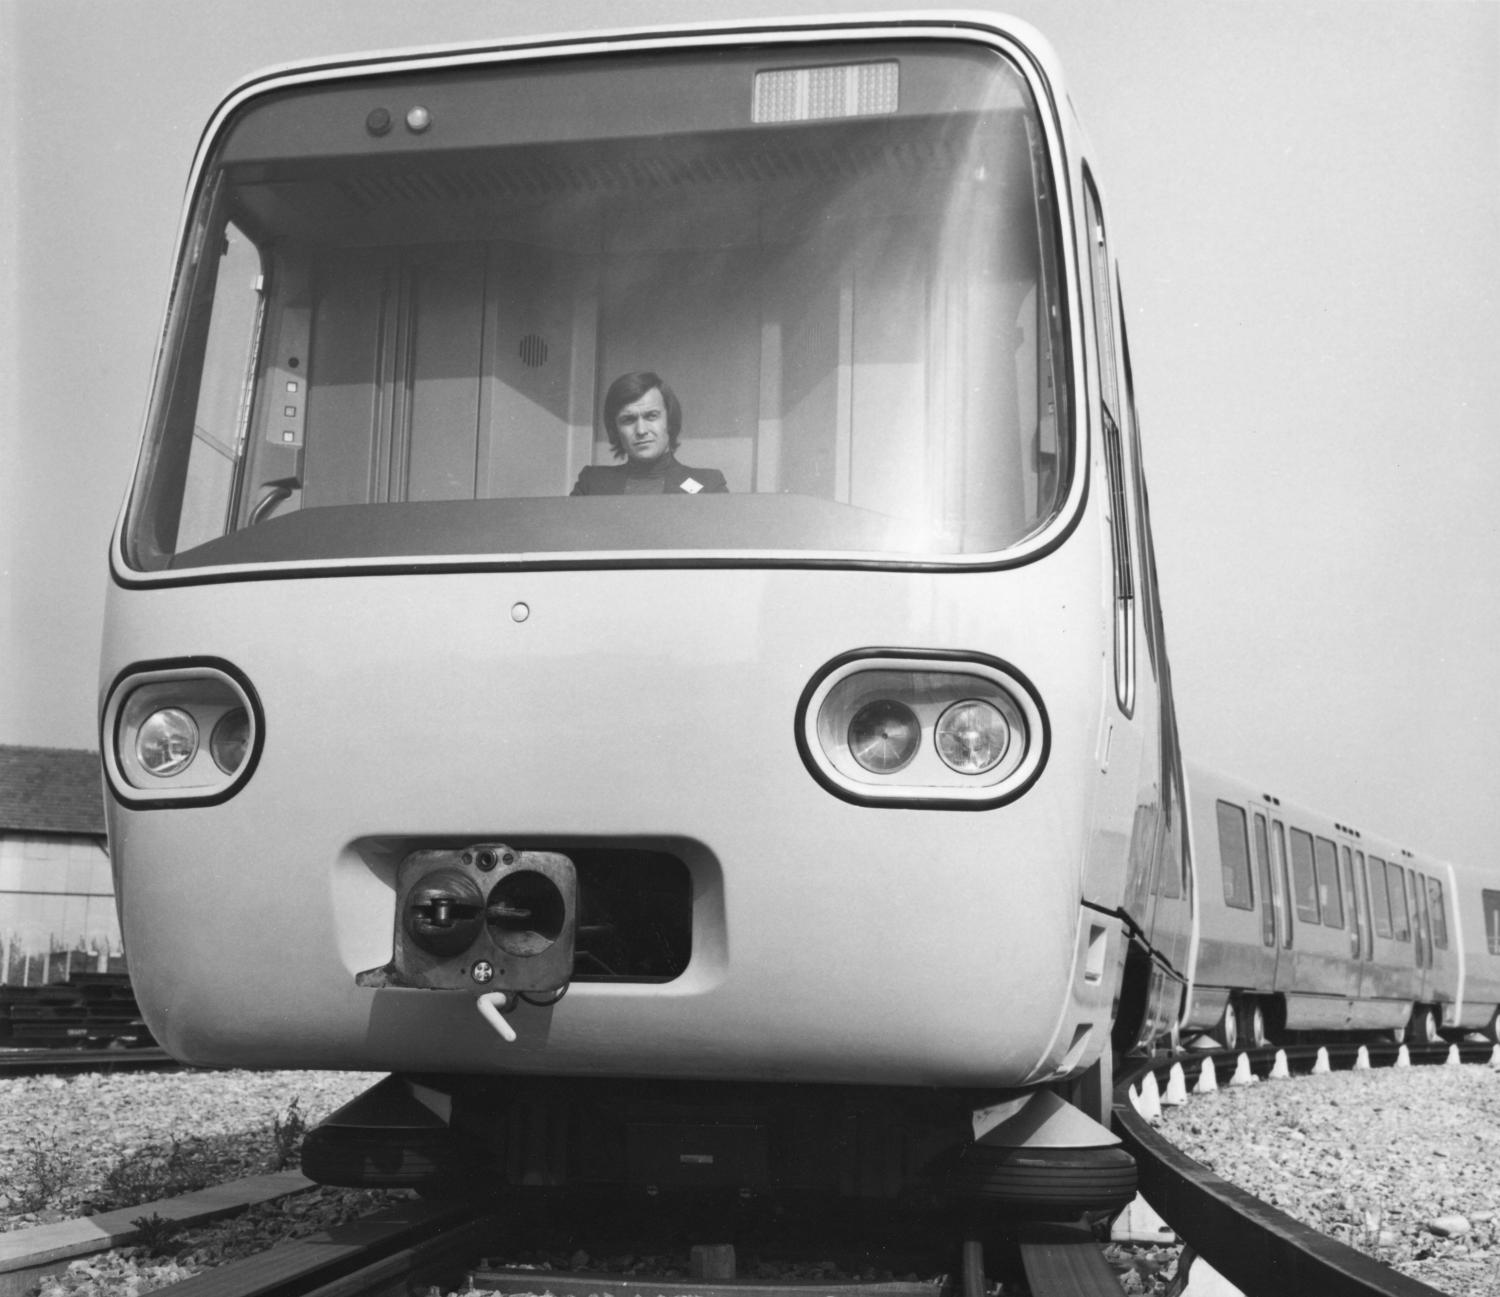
pixel 50 790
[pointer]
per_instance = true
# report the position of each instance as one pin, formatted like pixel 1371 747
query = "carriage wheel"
pixel 1424 1028
pixel 1227 1033
pixel 1257 1026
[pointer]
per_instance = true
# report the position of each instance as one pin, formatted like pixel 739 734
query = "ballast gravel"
pixel 1402 1164
pixel 77 1145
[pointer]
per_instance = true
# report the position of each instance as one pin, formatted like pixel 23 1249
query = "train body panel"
pixel 429 717
pixel 1477 930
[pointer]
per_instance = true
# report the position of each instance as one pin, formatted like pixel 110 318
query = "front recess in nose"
pixel 483 918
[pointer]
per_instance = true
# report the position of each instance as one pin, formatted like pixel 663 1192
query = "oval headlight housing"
pixel 972 736
pixel 166 742
pixel 183 733
pixel 922 728
pixel 884 736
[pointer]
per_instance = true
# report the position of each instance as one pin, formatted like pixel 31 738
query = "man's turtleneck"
pixel 647 477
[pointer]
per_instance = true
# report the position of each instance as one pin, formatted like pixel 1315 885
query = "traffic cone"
pixel 1207 1081
pixel 1279 1070
pixel 1150 1098
pixel 1242 1073
pixel 1321 1068
pixel 1177 1085
pixel 1495 1058
pixel 1403 1057
pixel 1453 1059
pixel 1362 1059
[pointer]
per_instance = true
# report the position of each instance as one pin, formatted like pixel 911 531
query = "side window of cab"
pixel 1111 417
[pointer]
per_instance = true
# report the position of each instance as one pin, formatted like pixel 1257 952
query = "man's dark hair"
pixel 629 388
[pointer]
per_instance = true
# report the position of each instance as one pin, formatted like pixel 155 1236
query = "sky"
pixel 1305 201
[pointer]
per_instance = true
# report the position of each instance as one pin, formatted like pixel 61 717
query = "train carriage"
pixel 455 727
pixel 1307 924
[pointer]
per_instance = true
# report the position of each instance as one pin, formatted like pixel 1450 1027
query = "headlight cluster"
pixel 180 734
pixel 887 727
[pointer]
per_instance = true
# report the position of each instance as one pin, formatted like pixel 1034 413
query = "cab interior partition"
pixel 859 313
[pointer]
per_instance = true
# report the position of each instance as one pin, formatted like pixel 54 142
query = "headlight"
pixel 175 734
pixel 972 736
pixel 884 735
pixel 231 739
pixel 166 742
pixel 922 728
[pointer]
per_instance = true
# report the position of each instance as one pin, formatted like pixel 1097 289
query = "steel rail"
pixel 1256 1247
pixel 422 1243
pixel 1066 1261
pixel 30 1062
pixel 380 1253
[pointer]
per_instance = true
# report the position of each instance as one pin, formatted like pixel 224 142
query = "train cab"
pixel 639 573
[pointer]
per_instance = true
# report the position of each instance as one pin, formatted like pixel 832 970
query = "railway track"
pixel 1259 1249
pixel 29 1062
pixel 1253 1245
pixel 399 1250
pixel 421 1247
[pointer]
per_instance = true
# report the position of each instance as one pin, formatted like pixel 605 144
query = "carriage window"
pixel 1380 901
pixel 1114 460
pixel 1330 899
pixel 1170 879
pixel 1234 857
pixel 229 355
pixel 1491 902
pixel 387 342
pixel 1304 880
pixel 1439 916
pixel 1400 916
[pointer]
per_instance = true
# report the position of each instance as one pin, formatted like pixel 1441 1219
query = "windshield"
pixel 777 300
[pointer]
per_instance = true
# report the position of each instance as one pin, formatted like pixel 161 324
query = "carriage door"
pixel 1421 931
pixel 1281 885
pixel 1270 902
pixel 1357 922
pixel 1368 975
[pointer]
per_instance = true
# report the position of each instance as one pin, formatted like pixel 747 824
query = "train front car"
pixel 797 724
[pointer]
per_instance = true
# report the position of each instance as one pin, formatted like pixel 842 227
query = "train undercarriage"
pixel 1032 1156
